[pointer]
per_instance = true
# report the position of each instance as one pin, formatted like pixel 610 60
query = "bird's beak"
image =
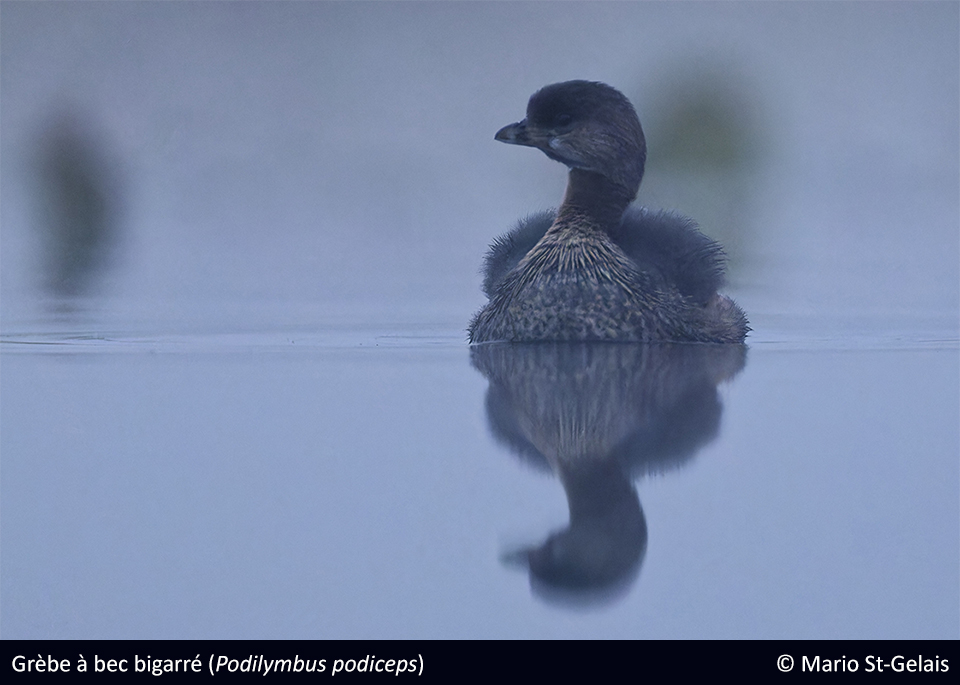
pixel 515 134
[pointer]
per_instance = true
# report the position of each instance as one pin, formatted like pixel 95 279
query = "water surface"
pixel 239 253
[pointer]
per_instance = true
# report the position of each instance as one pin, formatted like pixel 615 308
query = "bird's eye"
pixel 564 120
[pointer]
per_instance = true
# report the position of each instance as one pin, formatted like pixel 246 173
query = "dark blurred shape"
pixel 597 557
pixel 78 199
pixel 708 144
pixel 599 415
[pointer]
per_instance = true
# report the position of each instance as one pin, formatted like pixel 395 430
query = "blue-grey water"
pixel 239 248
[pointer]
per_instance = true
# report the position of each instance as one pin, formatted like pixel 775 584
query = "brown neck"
pixel 595 198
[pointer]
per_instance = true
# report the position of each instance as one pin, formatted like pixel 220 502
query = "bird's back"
pixel 654 279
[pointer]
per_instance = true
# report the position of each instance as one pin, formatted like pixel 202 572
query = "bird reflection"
pixel 78 201
pixel 598 415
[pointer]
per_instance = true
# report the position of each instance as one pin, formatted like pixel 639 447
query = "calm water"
pixel 235 394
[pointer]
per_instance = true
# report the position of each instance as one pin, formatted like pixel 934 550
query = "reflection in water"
pixel 78 205
pixel 597 415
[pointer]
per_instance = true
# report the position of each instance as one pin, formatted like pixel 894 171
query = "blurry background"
pixel 340 155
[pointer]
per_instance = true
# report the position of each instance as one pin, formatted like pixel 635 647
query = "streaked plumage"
pixel 596 269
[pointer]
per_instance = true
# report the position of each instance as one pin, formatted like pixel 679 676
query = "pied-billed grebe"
pixel 594 269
